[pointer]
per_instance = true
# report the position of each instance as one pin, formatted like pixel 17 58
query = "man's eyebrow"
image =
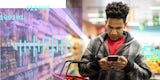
pixel 112 26
pixel 109 25
pixel 119 27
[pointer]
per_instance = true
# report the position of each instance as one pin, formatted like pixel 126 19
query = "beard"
pixel 114 38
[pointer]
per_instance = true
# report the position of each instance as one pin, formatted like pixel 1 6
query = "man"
pixel 130 65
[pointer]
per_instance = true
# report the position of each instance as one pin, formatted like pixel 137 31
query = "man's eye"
pixel 118 28
pixel 110 27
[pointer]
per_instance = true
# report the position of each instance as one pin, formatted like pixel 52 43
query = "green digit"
pixel 35 8
pixel 40 7
pixel 28 8
pixel 31 8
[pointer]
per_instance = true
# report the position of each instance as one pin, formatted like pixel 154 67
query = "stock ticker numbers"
pixel 11 17
pixel 37 8
pixel 151 53
pixel 59 46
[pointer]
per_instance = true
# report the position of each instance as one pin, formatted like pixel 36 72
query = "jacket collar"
pixel 129 38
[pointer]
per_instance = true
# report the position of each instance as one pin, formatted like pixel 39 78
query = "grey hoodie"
pixel 136 68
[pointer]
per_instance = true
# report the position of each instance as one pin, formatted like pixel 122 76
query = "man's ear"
pixel 125 25
pixel 106 21
pixel 105 29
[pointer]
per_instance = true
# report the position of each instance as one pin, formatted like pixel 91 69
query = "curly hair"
pixel 117 10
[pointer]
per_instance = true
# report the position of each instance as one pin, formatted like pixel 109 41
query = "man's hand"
pixel 120 64
pixel 104 64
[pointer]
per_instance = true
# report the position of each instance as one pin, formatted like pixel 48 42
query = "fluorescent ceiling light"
pixel 95 15
pixel 155 8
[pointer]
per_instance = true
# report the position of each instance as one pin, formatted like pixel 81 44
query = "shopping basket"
pixel 67 76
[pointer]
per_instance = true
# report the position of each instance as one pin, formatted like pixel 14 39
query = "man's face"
pixel 115 28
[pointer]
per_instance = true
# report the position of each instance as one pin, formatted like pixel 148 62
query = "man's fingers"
pixel 121 58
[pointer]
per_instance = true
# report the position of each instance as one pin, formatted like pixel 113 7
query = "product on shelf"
pixel 44 72
pixel 27 75
pixel 153 58
pixel 11 58
pixel 154 66
pixel 8 59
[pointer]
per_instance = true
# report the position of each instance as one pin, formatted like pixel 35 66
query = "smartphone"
pixel 113 58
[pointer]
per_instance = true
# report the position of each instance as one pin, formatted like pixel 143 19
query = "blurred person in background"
pixel 130 64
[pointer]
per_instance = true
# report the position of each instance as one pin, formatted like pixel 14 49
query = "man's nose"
pixel 114 31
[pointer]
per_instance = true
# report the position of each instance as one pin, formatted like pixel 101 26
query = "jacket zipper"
pixel 110 72
pixel 107 47
pixel 116 51
pixel 119 49
pixel 123 46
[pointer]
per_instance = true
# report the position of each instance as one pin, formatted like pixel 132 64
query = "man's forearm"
pixel 89 69
pixel 141 70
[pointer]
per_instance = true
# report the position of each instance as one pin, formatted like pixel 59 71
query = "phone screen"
pixel 112 58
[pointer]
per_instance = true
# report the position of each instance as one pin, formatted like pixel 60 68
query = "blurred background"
pixel 36 47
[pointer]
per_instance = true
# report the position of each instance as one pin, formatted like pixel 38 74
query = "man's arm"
pixel 92 67
pixel 138 69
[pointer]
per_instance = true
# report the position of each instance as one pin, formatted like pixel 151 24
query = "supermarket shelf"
pixel 155 76
pixel 17 71
pixel 58 77
pixel 69 20
pixel 46 77
pixel 44 74
pixel 42 30
pixel 64 56
pixel 28 67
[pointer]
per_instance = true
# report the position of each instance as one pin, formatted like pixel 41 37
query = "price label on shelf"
pixel 11 73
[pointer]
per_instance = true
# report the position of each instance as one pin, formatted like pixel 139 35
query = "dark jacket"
pixel 136 68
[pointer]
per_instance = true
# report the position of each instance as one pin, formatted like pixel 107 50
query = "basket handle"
pixel 71 61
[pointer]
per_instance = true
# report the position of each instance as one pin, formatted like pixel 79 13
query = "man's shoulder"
pixel 135 43
pixel 100 37
pixel 98 40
